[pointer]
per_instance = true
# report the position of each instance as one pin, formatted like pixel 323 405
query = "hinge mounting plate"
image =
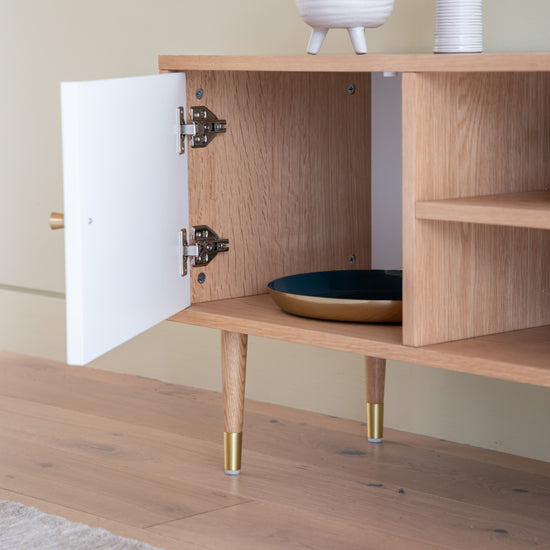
pixel 207 244
pixel 202 128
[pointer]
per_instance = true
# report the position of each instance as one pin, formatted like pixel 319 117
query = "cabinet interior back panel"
pixel 469 135
pixel 288 184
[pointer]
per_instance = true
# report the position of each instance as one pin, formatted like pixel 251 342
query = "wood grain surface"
pixel 523 62
pixel 463 138
pixel 137 456
pixel 375 370
pixel 234 346
pixel 288 184
pixel 530 210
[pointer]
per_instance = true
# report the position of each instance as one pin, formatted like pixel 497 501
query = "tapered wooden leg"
pixel 376 377
pixel 233 382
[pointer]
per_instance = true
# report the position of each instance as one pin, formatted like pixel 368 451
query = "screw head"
pixel 199 93
pixel 351 259
pixel 351 89
pixel 201 277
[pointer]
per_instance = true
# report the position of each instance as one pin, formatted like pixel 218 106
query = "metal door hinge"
pixel 204 249
pixel 202 128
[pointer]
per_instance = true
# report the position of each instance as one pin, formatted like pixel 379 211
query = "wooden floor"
pixel 143 459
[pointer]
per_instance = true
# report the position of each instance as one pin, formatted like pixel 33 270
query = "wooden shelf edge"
pixel 530 209
pixel 491 62
pixel 519 356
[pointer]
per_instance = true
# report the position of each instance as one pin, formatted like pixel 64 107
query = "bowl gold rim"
pixel 339 309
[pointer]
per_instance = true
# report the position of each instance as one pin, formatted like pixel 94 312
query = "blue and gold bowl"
pixel 358 295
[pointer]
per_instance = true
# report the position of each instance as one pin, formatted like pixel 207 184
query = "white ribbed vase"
pixel 354 15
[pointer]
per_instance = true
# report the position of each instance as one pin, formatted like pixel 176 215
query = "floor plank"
pixel 438 445
pixel 43 382
pixel 344 454
pixel 267 479
pixel 147 455
pixel 134 498
pixel 245 528
pixel 411 514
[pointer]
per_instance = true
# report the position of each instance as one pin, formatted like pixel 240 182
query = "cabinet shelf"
pixel 519 356
pixel 529 209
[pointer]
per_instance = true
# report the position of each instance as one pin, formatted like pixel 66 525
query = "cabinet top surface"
pixel 493 62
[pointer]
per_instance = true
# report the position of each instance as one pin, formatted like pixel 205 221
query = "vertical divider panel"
pixel 465 135
pixel 288 184
pixel 411 292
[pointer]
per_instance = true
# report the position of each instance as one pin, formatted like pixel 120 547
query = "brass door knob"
pixel 57 220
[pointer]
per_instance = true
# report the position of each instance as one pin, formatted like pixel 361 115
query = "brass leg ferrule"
pixel 232 448
pixel 375 422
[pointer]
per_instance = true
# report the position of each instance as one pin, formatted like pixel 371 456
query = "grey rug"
pixel 25 528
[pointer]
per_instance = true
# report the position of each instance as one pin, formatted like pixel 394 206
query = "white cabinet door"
pixel 126 200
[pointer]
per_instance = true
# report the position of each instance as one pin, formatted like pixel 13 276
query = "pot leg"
pixel 315 40
pixel 357 35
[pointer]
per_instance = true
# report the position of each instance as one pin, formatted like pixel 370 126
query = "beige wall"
pixel 45 41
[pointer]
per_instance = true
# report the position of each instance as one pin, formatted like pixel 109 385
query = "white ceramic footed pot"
pixel 354 15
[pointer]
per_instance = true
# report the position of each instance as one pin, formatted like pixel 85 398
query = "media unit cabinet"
pixel 288 185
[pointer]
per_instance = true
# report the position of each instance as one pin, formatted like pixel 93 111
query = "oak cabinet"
pixel 288 185
pixel 476 204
